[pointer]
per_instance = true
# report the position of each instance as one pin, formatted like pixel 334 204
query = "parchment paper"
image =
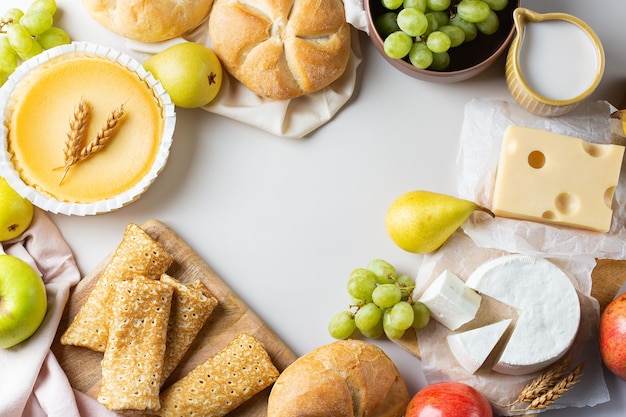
pixel 483 238
pixel 461 256
pixel 481 138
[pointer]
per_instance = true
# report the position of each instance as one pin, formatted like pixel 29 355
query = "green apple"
pixel 23 301
pixel 16 212
pixel 191 73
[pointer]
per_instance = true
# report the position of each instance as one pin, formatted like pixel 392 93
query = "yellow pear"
pixel 16 212
pixel 191 73
pixel 421 221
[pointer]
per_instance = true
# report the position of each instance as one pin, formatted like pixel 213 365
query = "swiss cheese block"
pixel 450 301
pixel 472 347
pixel 559 179
pixel 547 304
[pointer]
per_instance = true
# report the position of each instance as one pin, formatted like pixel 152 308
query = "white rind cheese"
pixel 472 347
pixel 450 301
pixel 558 179
pixel 547 304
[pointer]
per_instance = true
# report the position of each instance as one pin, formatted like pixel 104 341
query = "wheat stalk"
pixel 104 134
pixel 74 141
pixel 543 382
pixel 556 392
pixel 546 389
pixel 74 151
pixel 540 384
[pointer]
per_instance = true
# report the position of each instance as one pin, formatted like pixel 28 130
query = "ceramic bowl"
pixel 554 64
pixel 466 60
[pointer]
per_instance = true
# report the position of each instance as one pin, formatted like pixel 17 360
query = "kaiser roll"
pixel 148 20
pixel 281 49
pixel 347 378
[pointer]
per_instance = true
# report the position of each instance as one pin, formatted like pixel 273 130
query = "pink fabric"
pixel 32 384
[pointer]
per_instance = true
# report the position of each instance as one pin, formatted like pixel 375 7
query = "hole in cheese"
pixel 595 150
pixel 608 196
pixel 536 159
pixel 567 203
pixel 548 215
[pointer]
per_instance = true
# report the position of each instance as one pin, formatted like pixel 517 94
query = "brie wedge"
pixel 472 347
pixel 450 301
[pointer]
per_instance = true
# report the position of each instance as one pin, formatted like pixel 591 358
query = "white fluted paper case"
pixel 47 201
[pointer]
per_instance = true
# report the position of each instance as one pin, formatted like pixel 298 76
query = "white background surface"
pixel 284 221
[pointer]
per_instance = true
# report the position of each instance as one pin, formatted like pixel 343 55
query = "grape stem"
pixel 358 305
pixel 452 8
pixel 4 23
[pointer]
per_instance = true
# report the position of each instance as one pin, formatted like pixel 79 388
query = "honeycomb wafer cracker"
pixel 191 307
pixel 133 360
pixel 136 254
pixel 221 383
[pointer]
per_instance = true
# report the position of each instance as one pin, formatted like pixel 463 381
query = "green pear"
pixel 16 212
pixel 421 221
pixel 190 73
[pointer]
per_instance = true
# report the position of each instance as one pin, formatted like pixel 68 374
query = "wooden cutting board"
pixel 231 317
pixel 607 278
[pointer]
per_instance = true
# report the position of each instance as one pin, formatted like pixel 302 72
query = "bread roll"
pixel 148 20
pixel 347 378
pixel 281 49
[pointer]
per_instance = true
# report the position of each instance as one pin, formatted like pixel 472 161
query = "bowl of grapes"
pixel 441 41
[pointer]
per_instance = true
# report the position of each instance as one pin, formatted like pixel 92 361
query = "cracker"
pixel 221 383
pixel 133 359
pixel 191 307
pixel 136 254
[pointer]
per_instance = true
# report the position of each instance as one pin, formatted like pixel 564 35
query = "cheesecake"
pixel 44 105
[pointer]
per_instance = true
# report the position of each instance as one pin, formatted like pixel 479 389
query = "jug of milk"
pixel 554 64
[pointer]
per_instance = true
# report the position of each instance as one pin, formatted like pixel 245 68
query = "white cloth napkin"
pixel 293 118
pixel 32 383
pixel 355 14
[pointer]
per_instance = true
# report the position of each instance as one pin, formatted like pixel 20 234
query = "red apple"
pixel 449 399
pixel 612 336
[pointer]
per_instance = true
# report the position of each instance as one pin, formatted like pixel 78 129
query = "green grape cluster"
pixel 382 303
pixel 26 34
pixel 424 31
